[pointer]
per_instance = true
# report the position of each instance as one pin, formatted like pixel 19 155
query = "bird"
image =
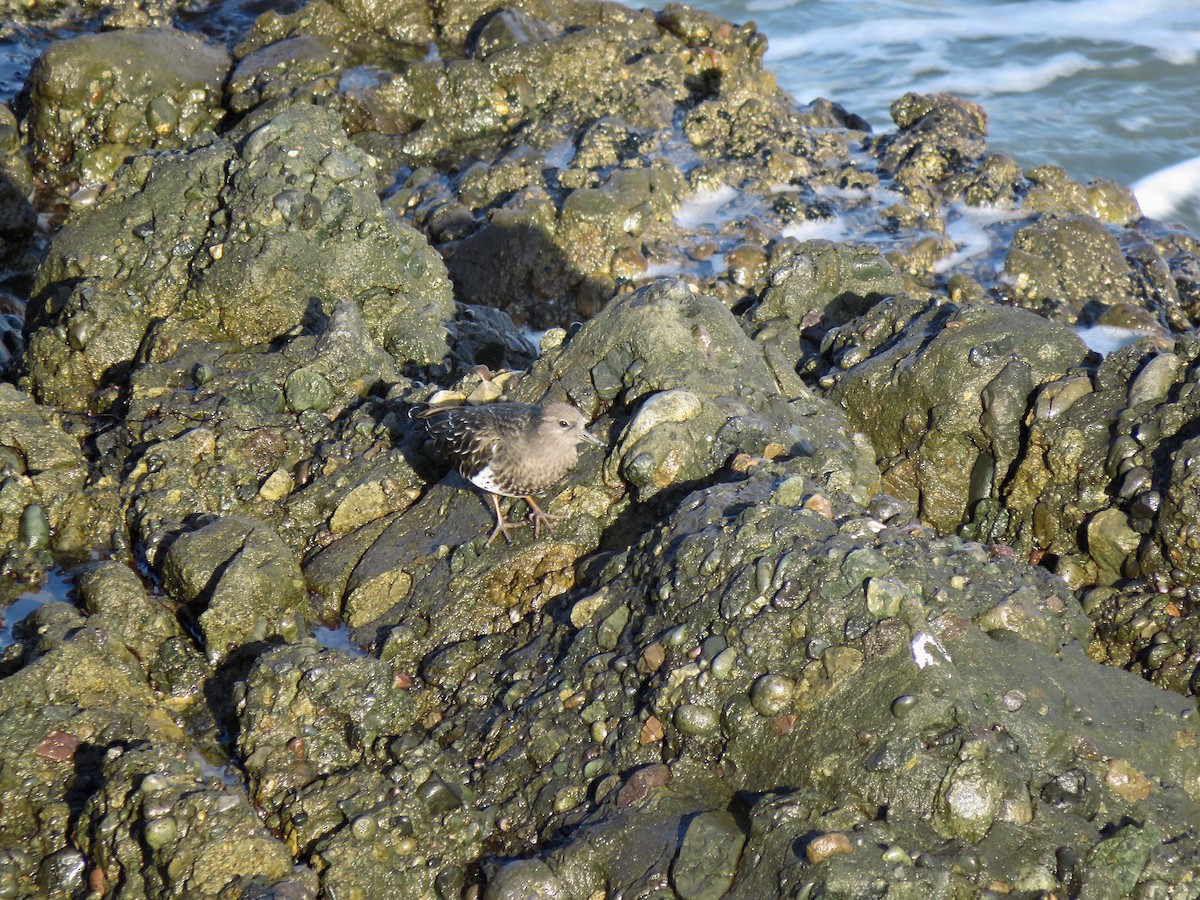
pixel 509 450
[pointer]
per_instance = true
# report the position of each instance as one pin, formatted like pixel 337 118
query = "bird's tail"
pixel 422 410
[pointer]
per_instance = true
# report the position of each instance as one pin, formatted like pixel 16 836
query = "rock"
pixel 708 857
pixel 1111 541
pixel 306 712
pixel 826 846
pixel 158 827
pixel 816 285
pixel 939 135
pixel 1114 866
pixel 735 667
pixel 43 466
pixel 79 691
pixel 240 580
pixel 943 403
pixel 968 799
pixel 97 98
pixel 1057 265
pixel 525 878
pixel 1155 379
pixel 105 292
pixel 17 215
pixel 115 598
pixel 280 70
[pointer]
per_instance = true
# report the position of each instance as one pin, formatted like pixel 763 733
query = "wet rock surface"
pixel 95 99
pixel 883 581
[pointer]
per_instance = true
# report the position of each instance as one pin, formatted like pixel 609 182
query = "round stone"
pixel 772 694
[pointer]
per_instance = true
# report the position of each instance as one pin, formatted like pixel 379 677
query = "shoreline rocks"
pixel 843 605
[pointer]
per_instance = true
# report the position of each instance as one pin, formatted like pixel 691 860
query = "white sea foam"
pixel 829 229
pixel 967 226
pixel 1104 339
pixel 668 269
pixel 1163 194
pixel 1012 78
pixel 704 209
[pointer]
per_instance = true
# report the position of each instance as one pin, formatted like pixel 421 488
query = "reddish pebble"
pixel 785 723
pixel 59 746
pixel 639 784
pixel 652 731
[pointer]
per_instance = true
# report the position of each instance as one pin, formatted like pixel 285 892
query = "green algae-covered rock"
pixel 997 785
pixel 693 392
pixel 159 827
pixel 79 691
pixel 215 430
pixel 818 285
pixel 219 243
pixel 1058 265
pixel 1106 477
pixel 943 403
pixel 17 215
pixel 96 98
pixel 307 712
pixel 342 769
pixel 241 581
pixel 735 668
pixel 114 596
pixel 43 466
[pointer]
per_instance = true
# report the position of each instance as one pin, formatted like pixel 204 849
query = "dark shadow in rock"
pixel 514 267
pixel 637 518
pixel 86 762
pixel 220 694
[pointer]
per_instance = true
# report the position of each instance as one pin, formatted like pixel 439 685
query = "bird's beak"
pixel 591 438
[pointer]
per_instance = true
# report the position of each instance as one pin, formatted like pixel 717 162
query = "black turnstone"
pixel 510 450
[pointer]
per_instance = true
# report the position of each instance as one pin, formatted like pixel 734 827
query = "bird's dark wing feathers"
pixel 463 434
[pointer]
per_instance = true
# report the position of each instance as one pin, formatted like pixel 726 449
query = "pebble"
pixel 640 783
pixel 903 705
pixel 652 731
pixel 708 856
pixel 825 846
pixel 772 694
pixel 1153 382
pixel 695 719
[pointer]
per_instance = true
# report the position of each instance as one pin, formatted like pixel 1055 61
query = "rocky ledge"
pixel 885 583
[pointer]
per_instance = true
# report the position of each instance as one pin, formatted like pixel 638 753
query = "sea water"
pixel 1106 89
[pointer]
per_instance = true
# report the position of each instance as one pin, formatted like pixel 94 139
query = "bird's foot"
pixel 503 526
pixel 541 517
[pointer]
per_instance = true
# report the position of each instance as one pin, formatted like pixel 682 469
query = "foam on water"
pixel 705 208
pixel 877 29
pixel 701 268
pixel 968 226
pixel 1104 339
pixel 829 229
pixel 1168 192
pixel 1011 78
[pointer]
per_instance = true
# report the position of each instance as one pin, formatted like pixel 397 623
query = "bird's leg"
pixel 541 517
pixel 503 526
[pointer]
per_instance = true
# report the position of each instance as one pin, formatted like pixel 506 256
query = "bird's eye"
pixel 564 423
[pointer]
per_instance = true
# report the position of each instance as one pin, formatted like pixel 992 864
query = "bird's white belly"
pixel 485 479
